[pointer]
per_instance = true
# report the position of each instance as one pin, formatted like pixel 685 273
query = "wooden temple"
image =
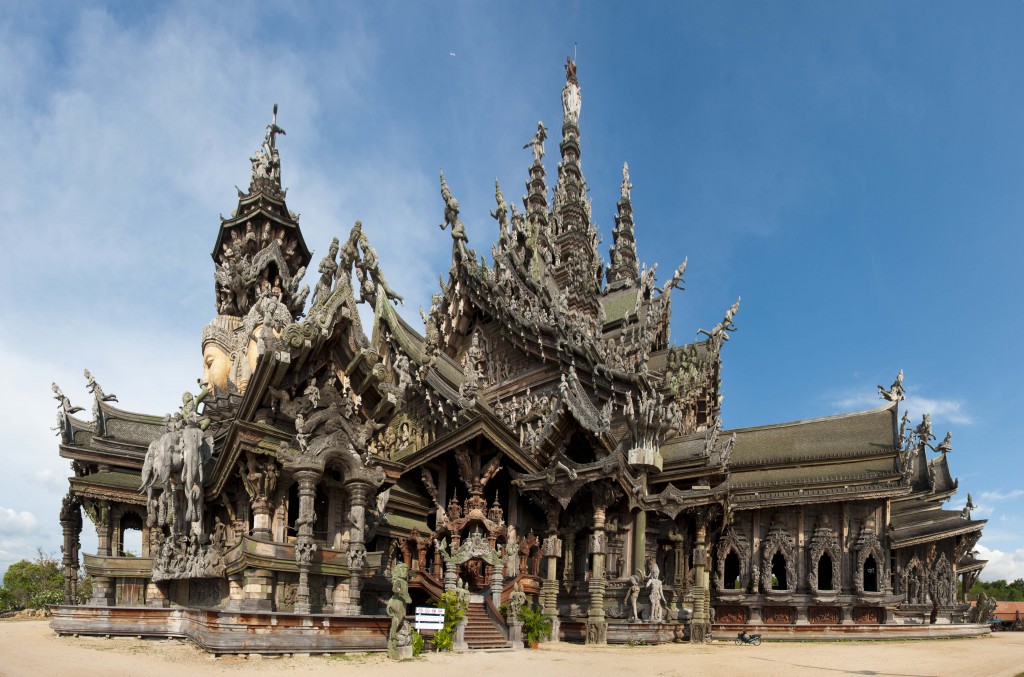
pixel 538 430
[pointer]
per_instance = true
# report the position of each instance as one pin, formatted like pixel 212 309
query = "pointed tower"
pixel 578 266
pixel 260 251
pixel 624 270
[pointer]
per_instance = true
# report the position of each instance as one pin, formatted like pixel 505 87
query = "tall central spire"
pixel 579 268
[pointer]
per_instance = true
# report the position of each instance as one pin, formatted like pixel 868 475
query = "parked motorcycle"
pixel 744 638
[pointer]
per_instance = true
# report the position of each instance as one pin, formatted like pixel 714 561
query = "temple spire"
pixel 260 252
pixel 578 267
pixel 624 270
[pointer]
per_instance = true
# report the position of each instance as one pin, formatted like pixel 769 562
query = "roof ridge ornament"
pixel 895 393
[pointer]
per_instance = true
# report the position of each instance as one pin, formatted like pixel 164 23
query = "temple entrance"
pixel 779 581
pixel 870 574
pixel 825 572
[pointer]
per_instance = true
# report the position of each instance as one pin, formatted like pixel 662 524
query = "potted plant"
pixel 536 626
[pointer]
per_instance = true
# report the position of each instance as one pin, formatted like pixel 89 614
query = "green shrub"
pixel 536 626
pixel 454 612
pixel 417 643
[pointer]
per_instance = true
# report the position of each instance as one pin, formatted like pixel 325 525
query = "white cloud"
pixel 1008 566
pixel 15 522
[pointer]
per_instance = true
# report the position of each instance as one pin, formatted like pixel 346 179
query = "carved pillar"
pixel 700 622
pixel 639 540
pixel 552 548
pixel 71 524
pixel 359 493
pixel 678 573
pixel 304 545
pixel 597 628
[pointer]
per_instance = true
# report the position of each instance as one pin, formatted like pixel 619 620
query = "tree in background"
pixel 33 585
pixel 1001 590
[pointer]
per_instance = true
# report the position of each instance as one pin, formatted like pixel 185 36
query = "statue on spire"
pixel 266 162
pixel 626 185
pixel 571 100
pixel 536 144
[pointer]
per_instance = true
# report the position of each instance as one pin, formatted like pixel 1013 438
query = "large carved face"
pixel 216 366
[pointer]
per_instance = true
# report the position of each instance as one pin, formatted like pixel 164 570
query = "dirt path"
pixel 31 648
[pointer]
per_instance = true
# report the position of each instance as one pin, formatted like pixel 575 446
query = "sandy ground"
pixel 31 648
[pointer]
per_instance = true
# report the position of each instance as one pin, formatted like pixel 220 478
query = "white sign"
pixel 429 618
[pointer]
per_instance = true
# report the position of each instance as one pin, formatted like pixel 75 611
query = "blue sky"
pixel 852 170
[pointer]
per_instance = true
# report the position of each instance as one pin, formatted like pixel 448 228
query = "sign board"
pixel 429 618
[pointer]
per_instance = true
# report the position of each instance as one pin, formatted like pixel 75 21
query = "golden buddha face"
pixel 216 366
pixel 252 353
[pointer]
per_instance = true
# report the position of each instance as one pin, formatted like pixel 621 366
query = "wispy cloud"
pixel 1001 495
pixel 942 410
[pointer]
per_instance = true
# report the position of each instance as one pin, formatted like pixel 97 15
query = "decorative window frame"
pixel 825 541
pixel 778 541
pixel 732 541
pixel 867 545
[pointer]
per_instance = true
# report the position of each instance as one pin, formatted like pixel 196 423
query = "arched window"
pixel 825 572
pixel 732 570
pixel 870 574
pixel 779 581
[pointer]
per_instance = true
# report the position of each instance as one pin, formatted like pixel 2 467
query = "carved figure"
pixel 396 606
pixel 895 393
pixel 63 402
pixel 632 593
pixel 657 594
pixel 451 213
pixel 536 144
pixel 516 602
pixel 328 270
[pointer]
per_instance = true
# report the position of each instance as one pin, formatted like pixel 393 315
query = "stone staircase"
pixel 481 632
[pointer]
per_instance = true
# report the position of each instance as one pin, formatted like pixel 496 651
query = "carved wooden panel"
pixel 731 614
pixel 867 615
pixel 824 615
pixel 778 615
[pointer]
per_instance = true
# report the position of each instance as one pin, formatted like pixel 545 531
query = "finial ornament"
pixel 626 185
pixel 536 144
pixel 895 393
